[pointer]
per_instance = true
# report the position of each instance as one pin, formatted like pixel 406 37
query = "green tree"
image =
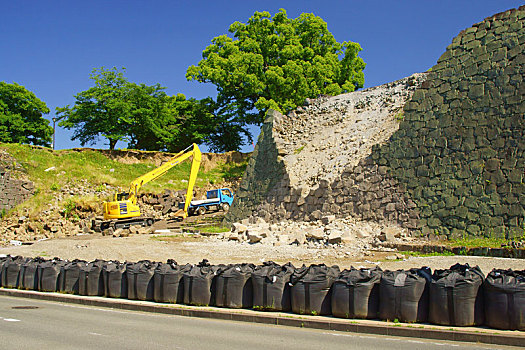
pixel 169 123
pixel 102 110
pixel 188 121
pixel 21 118
pixel 276 62
pixel 143 116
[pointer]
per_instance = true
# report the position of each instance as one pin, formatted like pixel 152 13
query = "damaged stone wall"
pixel 13 191
pixel 446 160
pixel 315 161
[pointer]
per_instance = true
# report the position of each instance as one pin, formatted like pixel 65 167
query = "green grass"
pixel 297 151
pixel 71 166
pixel 214 229
pixel 399 116
pixel 475 242
pixel 420 254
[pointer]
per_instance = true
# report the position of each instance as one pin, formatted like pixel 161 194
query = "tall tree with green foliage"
pixel 169 123
pixel 276 62
pixel 21 118
pixel 102 110
pixel 143 116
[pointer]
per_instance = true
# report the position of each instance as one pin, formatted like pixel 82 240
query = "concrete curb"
pixel 461 334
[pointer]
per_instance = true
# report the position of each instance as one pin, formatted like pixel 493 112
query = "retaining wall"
pixel 455 167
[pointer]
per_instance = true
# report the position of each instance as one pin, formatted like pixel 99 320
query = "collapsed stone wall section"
pixel 264 175
pixel 316 161
pixel 13 191
pixel 455 167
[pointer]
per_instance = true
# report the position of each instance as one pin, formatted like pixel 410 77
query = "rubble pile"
pixel 329 231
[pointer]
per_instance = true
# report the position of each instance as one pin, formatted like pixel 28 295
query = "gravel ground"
pixel 190 249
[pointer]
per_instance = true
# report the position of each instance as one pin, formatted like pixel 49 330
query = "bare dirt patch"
pixel 194 248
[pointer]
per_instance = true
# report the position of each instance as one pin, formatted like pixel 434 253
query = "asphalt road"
pixel 34 324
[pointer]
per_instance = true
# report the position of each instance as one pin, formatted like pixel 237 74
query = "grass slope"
pixel 71 167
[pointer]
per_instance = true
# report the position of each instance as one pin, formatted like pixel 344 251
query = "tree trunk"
pixel 112 144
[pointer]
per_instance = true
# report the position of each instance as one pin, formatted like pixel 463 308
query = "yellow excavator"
pixel 124 211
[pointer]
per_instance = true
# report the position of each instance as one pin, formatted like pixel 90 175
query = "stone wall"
pixel 454 165
pixel 460 149
pixel 12 191
pixel 315 161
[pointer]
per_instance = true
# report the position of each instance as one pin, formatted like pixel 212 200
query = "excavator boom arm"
pixel 125 205
pixel 161 170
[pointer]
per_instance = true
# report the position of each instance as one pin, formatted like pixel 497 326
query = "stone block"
pixel 297 238
pixel 316 215
pixel 335 237
pixel 239 228
pixel 327 219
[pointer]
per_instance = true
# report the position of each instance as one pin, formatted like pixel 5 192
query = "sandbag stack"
pixel 355 293
pixel 91 279
pixel 70 276
pixel 505 299
pixel 199 284
pixel 11 271
pixel 115 279
pixel 271 287
pixel 456 296
pixel 311 289
pixel 234 287
pixel 140 279
pixel 29 274
pixel 49 275
pixel 168 282
pixel 2 259
pixel 403 295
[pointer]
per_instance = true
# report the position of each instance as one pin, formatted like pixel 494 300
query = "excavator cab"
pixel 121 196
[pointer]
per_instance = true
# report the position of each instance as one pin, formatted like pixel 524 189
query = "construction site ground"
pixel 169 243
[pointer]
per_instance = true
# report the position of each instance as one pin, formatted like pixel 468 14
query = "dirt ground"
pixel 192 249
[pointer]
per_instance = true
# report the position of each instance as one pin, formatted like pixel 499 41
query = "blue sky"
pixel 51 47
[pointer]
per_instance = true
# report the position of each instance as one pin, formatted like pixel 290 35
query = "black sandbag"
pixel 90 279
pixel 355 293
pixel 456 296
pixel 49 275
pixel 234 287
pixel 70 276
pixel 11 271
pixel 403 295
pixel 199 284
pixel 115 279
pixel 168 282
pixel 140 280
pixel 271 288
pixel 505 299
pixel 311 289
pixel 29 274
pixel 2 259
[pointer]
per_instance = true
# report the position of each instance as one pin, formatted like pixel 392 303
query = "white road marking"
pixel 396 339
pixel 11 320
pixel 93 333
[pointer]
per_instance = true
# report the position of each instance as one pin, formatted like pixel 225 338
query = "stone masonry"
pixel 315 161
pixel 13 191
pixel 441 154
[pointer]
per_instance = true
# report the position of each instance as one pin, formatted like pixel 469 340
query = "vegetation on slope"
pixel 51 171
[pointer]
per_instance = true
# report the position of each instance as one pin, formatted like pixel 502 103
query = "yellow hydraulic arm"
pixel 125 204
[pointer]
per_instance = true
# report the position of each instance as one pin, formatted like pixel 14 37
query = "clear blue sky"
pixel 50 47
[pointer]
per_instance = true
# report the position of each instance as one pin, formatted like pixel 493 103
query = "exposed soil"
pixel 193 248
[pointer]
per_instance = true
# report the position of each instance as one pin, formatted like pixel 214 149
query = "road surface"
pixel 35 324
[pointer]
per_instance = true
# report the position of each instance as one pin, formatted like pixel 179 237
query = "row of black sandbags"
pixel 458 296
